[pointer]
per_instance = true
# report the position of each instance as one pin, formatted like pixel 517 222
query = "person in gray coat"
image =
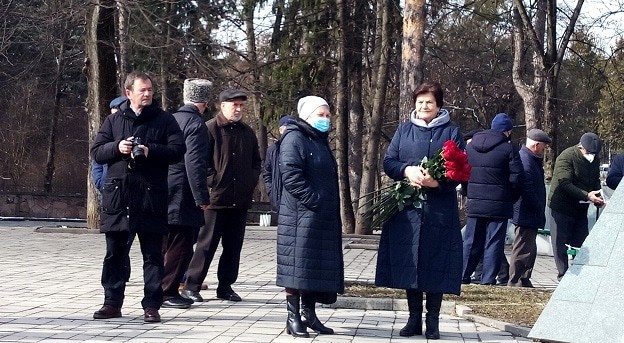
pixel 309 233
pixel 188 191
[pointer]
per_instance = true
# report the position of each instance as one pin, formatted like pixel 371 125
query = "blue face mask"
pixel 322 124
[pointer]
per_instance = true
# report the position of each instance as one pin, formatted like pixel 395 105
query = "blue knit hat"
pixel 502 123
pixel 117 102
pixel 284 119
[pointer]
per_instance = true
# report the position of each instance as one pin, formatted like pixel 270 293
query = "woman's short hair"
pixel 430 87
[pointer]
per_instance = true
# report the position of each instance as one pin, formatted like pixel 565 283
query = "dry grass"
pixel 515 305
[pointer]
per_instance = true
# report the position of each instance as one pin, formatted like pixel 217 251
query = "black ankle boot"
pixel 308 304
pixel 414 323
pixel 432 319
pixel 294 326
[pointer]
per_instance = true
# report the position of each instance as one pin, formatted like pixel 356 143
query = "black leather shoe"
pixel 177 302
pixel 107 312
pixel 228 294
pixel 192 295
pixel 151 315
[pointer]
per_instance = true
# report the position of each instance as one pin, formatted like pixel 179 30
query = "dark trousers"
pixel 523 254
pixel 484 237
pixel 227 226
pixel 114 270
pixel 177 252
pixel 567 230
pixel 503 271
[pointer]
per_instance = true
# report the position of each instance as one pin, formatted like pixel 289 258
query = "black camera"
pixel 137 153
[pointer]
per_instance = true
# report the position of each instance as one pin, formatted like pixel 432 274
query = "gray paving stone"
pixel 58 275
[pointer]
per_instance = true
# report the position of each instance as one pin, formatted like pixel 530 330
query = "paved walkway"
pixel 51 287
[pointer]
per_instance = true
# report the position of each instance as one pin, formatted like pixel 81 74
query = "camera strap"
pixel 140 132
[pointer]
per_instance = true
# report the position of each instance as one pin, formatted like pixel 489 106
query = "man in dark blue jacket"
pixel 188 191
pixel 492 190
pixel 529 210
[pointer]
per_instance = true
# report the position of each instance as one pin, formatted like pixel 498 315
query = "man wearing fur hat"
pixel 575 185
pixel 233 173
pixel 188 191
pixel 493 188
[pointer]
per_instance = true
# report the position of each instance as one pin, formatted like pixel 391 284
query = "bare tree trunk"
pixel 258 111
pixel 122 29
pixel 342 122
pixel 49 175
pixel 413 50
pixel 102 83
pixel 371 158
pixel 532 103
pixel 164 65
pixel 354 58
pixel 548 62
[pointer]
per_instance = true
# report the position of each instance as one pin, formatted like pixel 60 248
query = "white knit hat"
pixel 308 104
pixel 197 90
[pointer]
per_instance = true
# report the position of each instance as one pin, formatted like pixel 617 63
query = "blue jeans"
pixel 484 237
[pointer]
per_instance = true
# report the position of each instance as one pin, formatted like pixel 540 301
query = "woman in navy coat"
pixel 309 233
pixel 420 249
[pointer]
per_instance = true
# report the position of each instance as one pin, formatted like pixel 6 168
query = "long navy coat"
pixel 134 197
pixel 309 235
pixel 422 248
pixel 187 179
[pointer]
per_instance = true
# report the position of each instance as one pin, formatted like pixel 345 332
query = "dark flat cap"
pixel 231 94
pixel 591 142
pixel 539 136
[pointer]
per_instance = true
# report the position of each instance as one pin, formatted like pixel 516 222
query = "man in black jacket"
pixel 188 191
pixel 492 190
pixel 138 143
pixel 232 177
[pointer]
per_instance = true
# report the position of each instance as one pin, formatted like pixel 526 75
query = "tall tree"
pixel 102 81
pixel 342 114
pixel 413 51
pixel 547 63
pixel 371 157
pixel 611 105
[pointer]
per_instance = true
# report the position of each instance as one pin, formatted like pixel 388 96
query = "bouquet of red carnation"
pixel 450 163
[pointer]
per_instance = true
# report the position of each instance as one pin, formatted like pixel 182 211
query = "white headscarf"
pixel 308 104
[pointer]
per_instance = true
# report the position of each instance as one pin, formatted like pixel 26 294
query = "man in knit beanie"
pixel 188 191
pixel 493 188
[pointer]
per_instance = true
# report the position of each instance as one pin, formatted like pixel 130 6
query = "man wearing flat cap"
pixel 188 191
pixel 493 188
pixel 529 210
pixel 233 172
pixel 575 184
